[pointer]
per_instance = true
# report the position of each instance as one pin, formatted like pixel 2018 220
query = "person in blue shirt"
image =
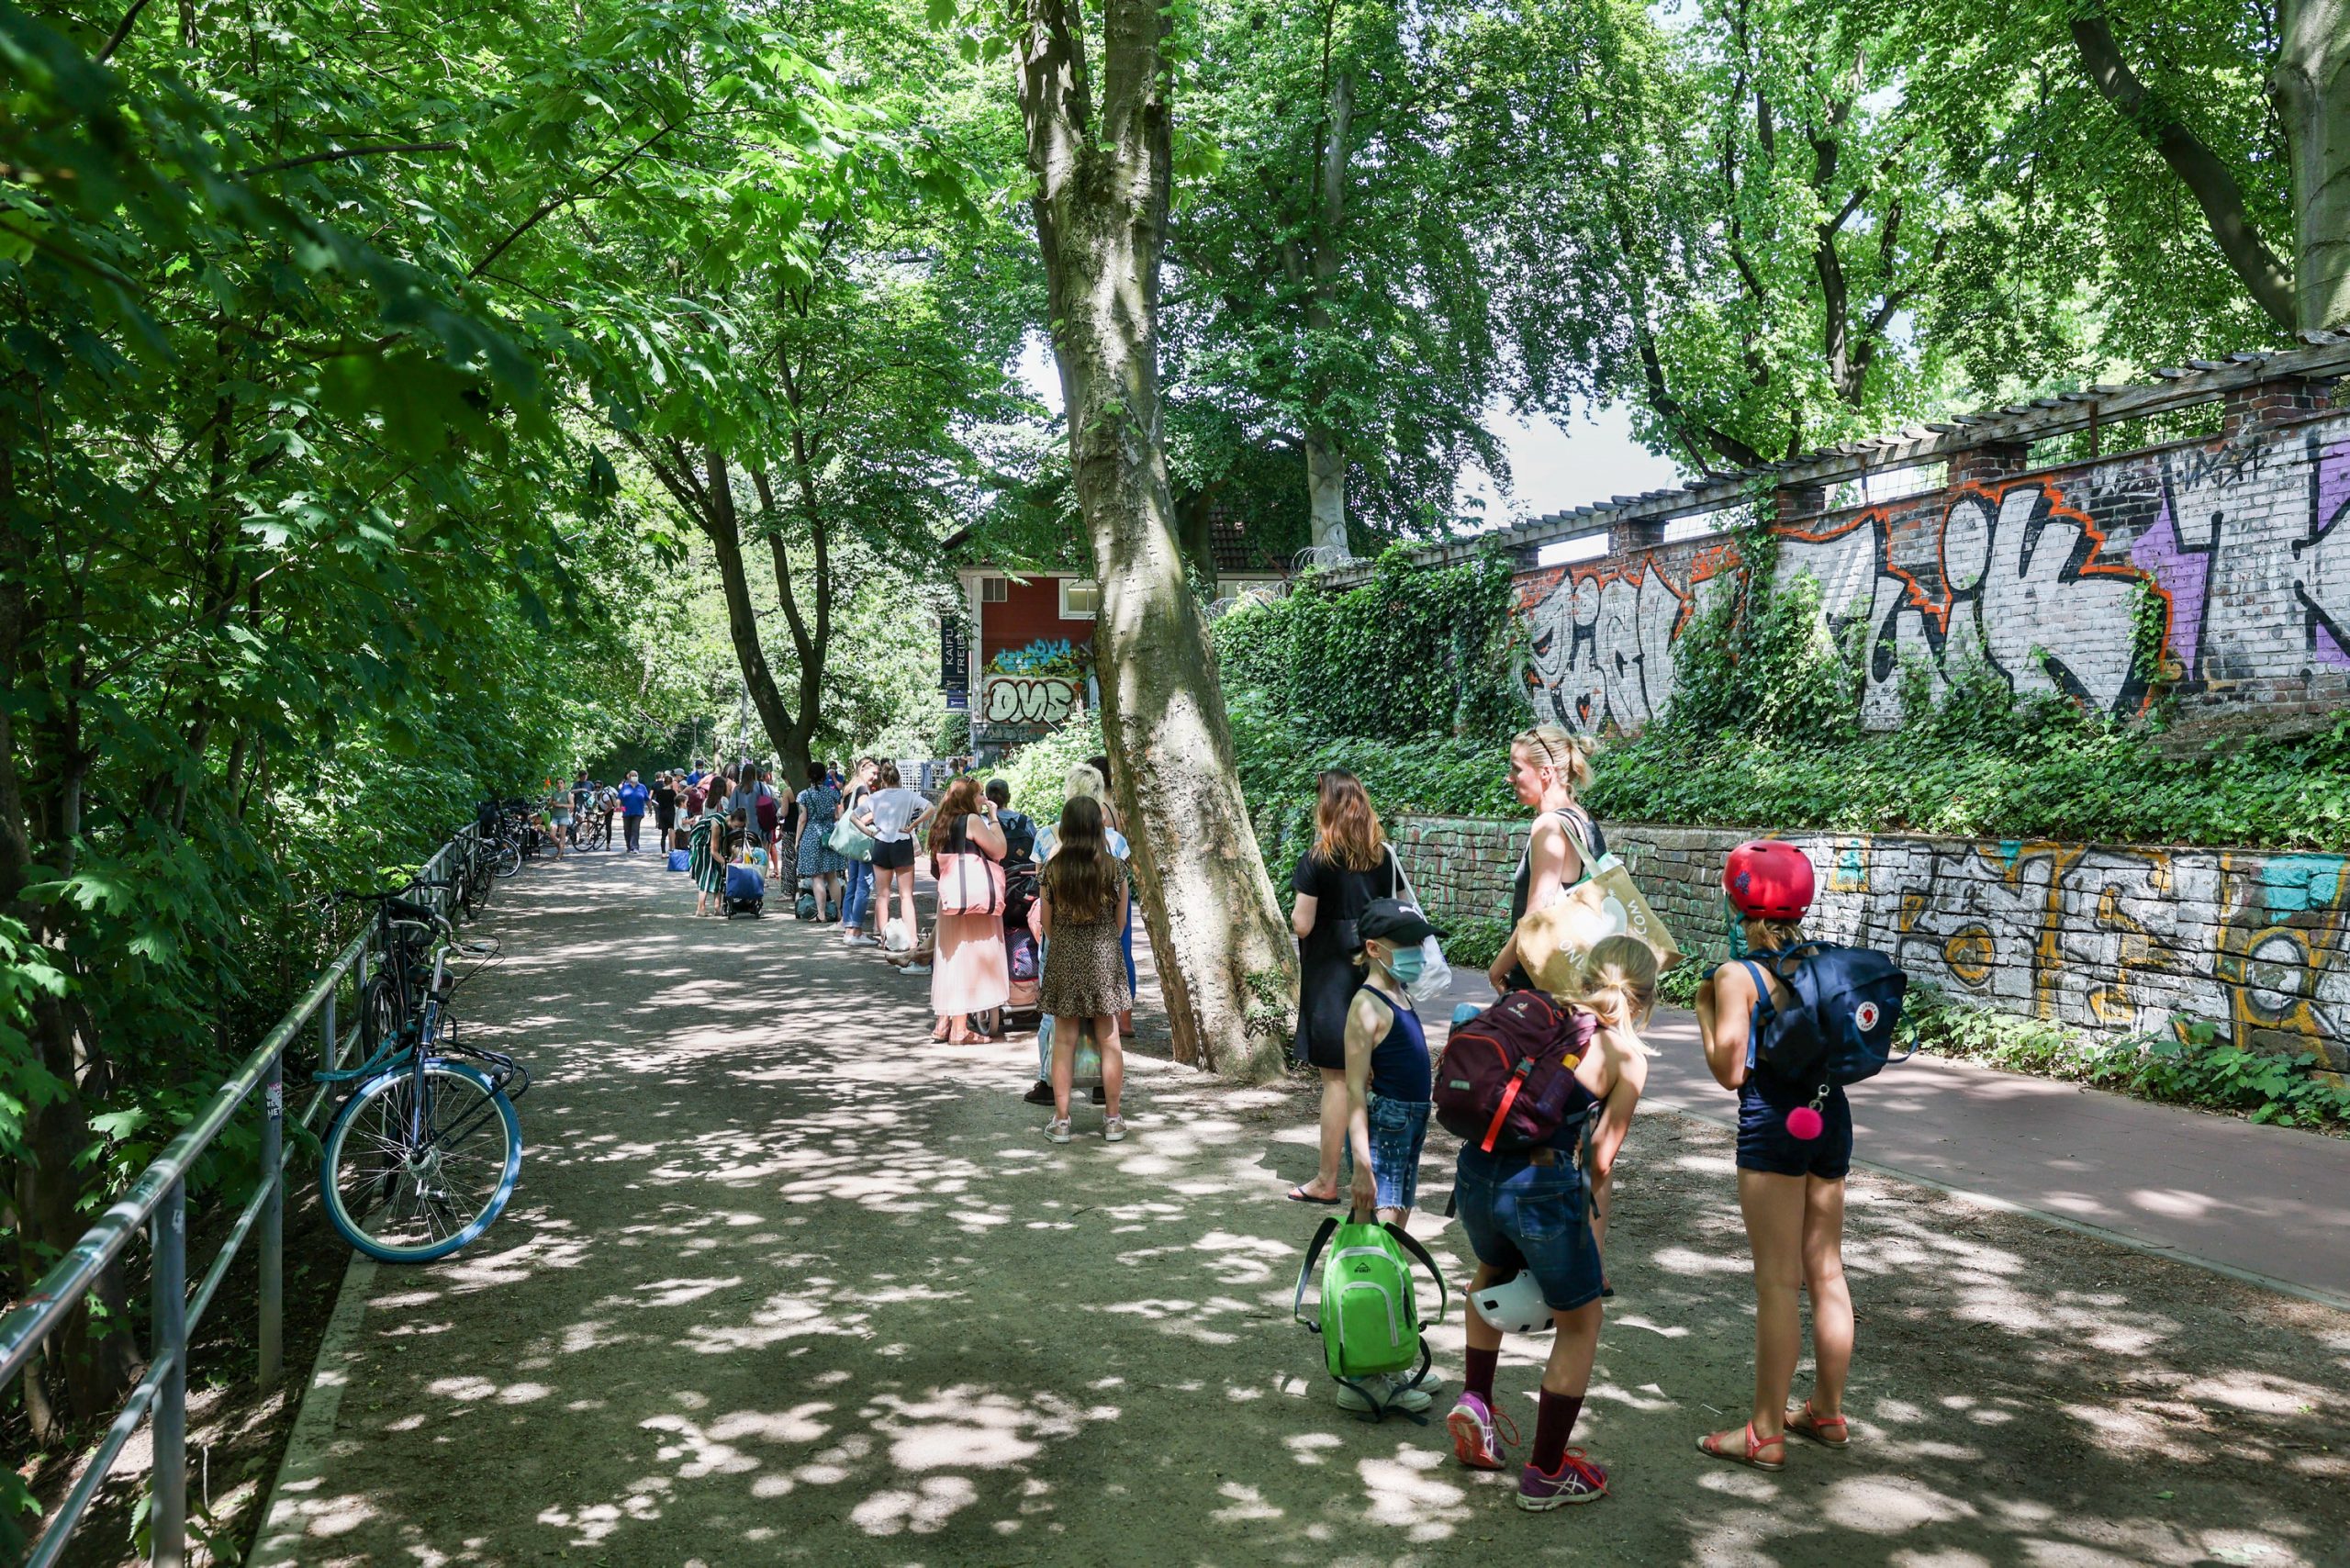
pixel 633 795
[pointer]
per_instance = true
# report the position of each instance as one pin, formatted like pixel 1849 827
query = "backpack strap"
pixel 1306 1271
pixel 1755 1015
pixel 1443 1297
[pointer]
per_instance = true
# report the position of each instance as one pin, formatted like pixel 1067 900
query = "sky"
pixel 1555 465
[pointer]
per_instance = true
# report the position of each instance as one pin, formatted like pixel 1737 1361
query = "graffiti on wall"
pixel 2128 938
pixel 1030 700
pixel 2240 549
pixel 1600 645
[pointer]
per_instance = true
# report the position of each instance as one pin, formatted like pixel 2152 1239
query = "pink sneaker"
pixel 1475 1441
pixel 1576 1480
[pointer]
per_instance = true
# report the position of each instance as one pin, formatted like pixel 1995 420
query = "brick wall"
pixel 2110 937
pixel 2036 575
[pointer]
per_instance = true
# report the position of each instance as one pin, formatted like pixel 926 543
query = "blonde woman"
pixel 1548 767
pixel 1528 1219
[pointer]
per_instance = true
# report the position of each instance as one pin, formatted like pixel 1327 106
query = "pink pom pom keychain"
pixel 1804 1122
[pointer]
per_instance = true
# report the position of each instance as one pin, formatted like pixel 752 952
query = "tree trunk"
pixel 719 520
pixel 1325 490
pixel 2311 87
pixel 1226 959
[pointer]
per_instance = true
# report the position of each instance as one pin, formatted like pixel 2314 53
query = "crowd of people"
pixel 1536 1220
pixel 1039 918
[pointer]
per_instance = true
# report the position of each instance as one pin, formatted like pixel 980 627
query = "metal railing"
pixel 157 1200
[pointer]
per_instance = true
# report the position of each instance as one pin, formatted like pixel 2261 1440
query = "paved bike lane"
pixel 785 1284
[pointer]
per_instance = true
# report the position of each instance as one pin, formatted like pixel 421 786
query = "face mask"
pixel 1738 947
pixel 1408 964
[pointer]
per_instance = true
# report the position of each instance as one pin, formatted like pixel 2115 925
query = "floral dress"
pixel 820 807
pixel 1085 975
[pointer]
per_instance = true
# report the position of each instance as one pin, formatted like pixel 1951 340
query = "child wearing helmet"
pixel 1528 1217
pixel 1793 1154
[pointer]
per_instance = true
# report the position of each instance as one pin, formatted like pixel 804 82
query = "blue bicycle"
pixel 424 1155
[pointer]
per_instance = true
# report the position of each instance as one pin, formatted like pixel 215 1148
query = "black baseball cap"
pixel 1391 920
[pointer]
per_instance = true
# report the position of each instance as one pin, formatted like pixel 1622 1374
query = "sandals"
pixel 1298 1195
pixel 1827 1431
pixel 1711 1443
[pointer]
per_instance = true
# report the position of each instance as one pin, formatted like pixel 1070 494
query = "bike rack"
pixel 157 1200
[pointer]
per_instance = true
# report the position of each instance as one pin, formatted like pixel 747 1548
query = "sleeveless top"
pixel 1400 1068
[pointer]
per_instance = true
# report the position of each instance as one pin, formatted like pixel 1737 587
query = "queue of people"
pixel 1019 904
pixel 1536 1220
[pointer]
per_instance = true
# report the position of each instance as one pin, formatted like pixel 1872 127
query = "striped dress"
pixel 702 861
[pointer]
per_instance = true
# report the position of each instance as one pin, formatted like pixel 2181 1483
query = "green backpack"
pixel 1370 1311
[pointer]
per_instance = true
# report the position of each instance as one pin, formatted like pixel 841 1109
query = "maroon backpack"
pixel 1507 1080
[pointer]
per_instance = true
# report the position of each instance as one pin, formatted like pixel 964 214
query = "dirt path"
pixel 785 1285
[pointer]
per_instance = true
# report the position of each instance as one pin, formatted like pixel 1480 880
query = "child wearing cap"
pixel 1792 1153
pixel 1388 1076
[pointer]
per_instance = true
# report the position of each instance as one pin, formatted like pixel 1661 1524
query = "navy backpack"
pixel 1841 1026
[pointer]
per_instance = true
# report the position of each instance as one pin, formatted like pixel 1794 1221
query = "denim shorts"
pixel 1765 1145
pixel 1536 1217
pixel 1399 1129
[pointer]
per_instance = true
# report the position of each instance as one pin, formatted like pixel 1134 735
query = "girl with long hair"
pixel 1348 865
pixel 1546 768
pixel 821 865
pixel 1529 1218
pixel 969 971
pixel 1082 899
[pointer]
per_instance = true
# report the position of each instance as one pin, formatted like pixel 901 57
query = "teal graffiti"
pixel 2297 883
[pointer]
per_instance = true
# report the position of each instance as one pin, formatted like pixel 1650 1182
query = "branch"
pixel 369 151
pixel 121 31
pixel 552 203
pixel 2197 167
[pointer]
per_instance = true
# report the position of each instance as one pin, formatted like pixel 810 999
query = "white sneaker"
pixel 1057 1130
pixel 1113 1129
pixel 1392 1392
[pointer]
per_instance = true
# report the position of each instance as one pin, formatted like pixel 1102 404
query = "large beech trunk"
pixel 2312 86
pixel 1226 959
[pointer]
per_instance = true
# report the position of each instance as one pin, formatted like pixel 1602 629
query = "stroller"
pixel 1023 956
pixel 746 892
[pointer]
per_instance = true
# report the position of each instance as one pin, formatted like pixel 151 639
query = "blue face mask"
pixel 1738 947
pixel 1407 965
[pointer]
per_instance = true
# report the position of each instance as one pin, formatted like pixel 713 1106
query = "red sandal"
pixel 1827 1431
pixel 1711 1443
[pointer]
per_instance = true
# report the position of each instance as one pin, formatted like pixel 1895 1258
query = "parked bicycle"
pixel 423 1156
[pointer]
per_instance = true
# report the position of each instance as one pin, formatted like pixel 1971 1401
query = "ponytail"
pixel 1617 986
pixel 1568 755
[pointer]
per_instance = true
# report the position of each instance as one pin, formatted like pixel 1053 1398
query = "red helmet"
pixel 1768 879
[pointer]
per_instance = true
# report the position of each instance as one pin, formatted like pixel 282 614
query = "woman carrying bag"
pixel 969 971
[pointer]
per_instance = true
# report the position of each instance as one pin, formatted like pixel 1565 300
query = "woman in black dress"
pixel 665 811
pixel 1348 866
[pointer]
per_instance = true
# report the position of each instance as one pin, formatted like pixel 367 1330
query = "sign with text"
pixel 1030 700
pixel 953 661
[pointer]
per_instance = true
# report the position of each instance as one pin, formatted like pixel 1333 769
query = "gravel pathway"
pixel 784 1282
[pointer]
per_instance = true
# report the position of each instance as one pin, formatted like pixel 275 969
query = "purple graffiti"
pixel 2182 576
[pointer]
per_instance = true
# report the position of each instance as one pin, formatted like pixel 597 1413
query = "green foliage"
pixel 1983 768
pixel 1475 943
pixel 1409 653
pixel 1037 773
pixel 2188 1065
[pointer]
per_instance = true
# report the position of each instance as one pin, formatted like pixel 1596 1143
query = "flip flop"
pixel 1298 1195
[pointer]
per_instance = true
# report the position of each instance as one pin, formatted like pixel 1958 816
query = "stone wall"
pixel 2117 938
pixel 2037 576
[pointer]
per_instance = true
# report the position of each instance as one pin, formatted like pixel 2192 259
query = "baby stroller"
pixel 1022 954
pixel 746 892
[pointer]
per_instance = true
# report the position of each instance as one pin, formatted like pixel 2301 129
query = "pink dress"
pixel 968 972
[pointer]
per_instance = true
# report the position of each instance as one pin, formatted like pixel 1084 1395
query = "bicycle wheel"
pixel 510 857
pixel 408 1182
pixel 379 1016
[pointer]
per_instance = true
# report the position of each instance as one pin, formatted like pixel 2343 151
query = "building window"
pixel 1080 599
pixel 991 590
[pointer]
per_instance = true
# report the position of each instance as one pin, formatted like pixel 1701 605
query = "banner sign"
pixel 954 663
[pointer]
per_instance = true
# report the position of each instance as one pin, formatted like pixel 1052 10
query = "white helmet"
pixel 1513 1307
